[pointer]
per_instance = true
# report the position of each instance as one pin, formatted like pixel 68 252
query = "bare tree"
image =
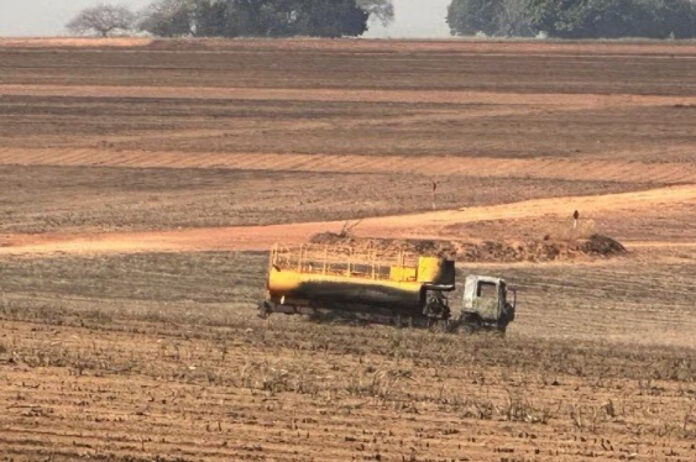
pixel 382 10
pixel 102 19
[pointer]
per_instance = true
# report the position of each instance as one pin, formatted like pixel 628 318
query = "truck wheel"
pixel 471 325
pixel 453 327
pixel 265 309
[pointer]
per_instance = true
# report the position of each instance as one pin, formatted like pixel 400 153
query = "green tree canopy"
pixel 263 18
pixel 467 17
pixel 169 18
pixel 614 18
pixel 492 17
pixel 575 18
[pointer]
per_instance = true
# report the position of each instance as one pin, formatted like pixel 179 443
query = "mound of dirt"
pixel 597 245
pixel 417 246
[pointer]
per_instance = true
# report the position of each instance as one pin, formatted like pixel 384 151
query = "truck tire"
pixel 471 324
pixel 265 309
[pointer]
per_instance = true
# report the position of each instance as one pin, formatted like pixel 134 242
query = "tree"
pixel 492 17
pixel 575 18
pixel 381 10
pixel 263 18
pixel 169 18
pixel 614 18
pixel 513 20
pixel 675 18
pixel 210 20
pixel 468 17
pixel 586 18
pixel 329 18
pixel 102 19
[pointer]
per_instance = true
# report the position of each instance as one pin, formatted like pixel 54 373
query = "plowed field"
pixel 141 181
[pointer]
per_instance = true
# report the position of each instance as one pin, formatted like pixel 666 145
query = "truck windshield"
pixel 487 290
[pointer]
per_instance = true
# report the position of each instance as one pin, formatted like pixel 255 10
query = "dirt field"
pixel 141 181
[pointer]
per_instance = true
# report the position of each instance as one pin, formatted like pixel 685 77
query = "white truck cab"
pixel 487 303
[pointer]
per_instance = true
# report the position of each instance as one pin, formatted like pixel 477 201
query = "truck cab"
pixel 488 303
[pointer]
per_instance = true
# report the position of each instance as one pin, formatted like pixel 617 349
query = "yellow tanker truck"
pixel 412 290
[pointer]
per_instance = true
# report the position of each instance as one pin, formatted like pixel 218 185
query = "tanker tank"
pixel 310 278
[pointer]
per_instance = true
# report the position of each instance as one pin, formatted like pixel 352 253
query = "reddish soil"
pixel 358 96
pixel 141 179
pixel 424 225
pixel 546 168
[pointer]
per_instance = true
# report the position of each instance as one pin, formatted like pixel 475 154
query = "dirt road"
pixel 430 224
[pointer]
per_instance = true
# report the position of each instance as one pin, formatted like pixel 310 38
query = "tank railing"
pixel 346 269
pixel 329 260
pixel 295 256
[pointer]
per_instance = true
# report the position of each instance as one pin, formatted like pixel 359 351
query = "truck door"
pixel 486 301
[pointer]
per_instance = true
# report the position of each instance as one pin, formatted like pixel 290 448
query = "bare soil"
pixel 576 245
pixel 141 182
pixel 548 216
pixel 59 199
pixel 134 356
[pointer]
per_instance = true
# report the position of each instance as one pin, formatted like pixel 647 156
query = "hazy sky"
pixel 414 18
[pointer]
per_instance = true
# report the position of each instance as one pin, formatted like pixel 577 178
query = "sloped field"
pixel 133 355
pixel 141 181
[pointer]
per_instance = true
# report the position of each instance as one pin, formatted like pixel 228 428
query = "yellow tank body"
pixel 312 279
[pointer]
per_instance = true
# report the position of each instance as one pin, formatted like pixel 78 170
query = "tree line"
pixel 237 18
pixel 337 18
pixel 574 18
